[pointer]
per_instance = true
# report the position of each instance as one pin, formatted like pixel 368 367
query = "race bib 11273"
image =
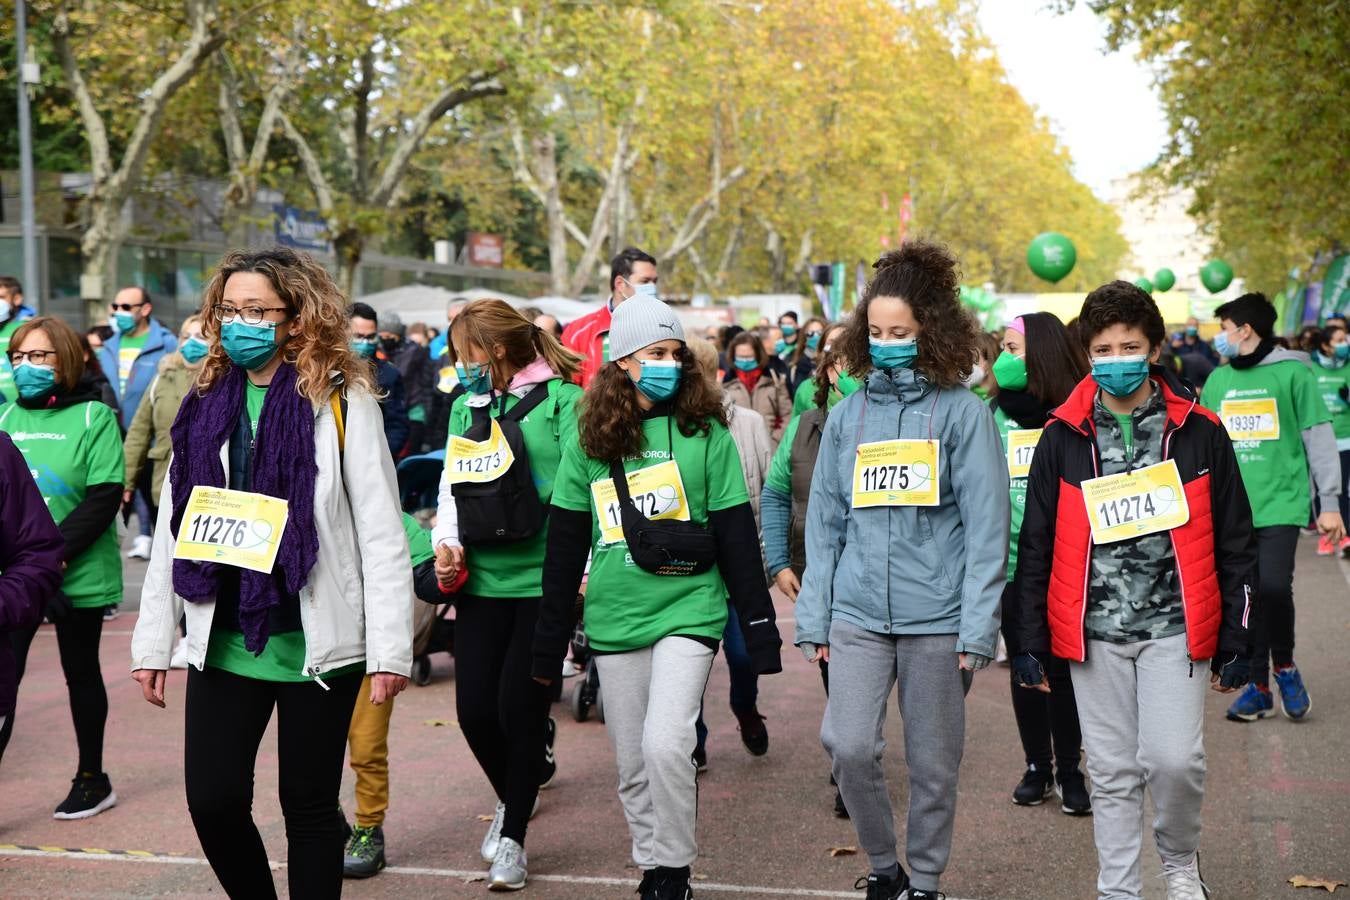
pixel 478 462
pixel 896 473
pixel 235 528
pixel 1133 504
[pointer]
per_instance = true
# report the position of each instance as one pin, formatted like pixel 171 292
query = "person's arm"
pixel 827 515
pixel 569 541
pixel 738 561
pixel 105 469
pixel 137 445
pixel 161 607
pixel 1235 554
pixel 30 547
pixel 979 478
pixel 425 585
pixel 1028 629
pixel 775 512
pixel 1324 463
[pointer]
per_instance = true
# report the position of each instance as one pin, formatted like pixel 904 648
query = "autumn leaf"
pixel 1300 881
pixel 482 818
pixel 438 723
pixel 843 851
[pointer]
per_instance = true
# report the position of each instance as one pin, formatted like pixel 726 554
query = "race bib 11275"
pixel 896 473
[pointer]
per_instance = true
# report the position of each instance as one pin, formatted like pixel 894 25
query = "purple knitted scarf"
pixel 283 467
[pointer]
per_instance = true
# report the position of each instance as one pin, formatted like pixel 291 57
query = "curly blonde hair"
pixel 319 338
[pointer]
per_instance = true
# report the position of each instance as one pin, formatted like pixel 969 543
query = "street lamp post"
pixel 28 219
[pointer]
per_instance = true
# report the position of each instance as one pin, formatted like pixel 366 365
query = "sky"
pixel 1103 106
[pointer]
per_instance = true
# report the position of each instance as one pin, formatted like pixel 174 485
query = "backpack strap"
pixel 537 395
pixel 339 405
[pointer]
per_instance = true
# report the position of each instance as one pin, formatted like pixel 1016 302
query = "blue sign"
pixel 300 228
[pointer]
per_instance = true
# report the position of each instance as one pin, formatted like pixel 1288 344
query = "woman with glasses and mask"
pixel 293 609
pixel 802 359
pixel 73 446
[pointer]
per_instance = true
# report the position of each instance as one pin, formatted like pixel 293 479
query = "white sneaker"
pixel 179 659
pixel 493 839
pixel 1183 882
pixel 140 547
pixel 508 868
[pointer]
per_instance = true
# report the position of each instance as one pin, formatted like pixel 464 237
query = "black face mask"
pixel 389 345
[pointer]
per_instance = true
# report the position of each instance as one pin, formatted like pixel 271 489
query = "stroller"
pixel 433 630
pixel 586 692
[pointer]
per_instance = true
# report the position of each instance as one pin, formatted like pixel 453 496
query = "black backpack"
pixel 507 508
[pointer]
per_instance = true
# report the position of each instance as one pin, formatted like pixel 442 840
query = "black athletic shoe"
pixel 1034 787
pixel 753 733
pixel 671 884
pixel 840 811
pixel 90 794
pixel 1073 794
pixel 646 889
pixel 883 887
pixel 916 894
pixel 364 855
pixel 550 767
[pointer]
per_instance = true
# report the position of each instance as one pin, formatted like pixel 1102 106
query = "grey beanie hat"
pixel 640 321
pixel 393 323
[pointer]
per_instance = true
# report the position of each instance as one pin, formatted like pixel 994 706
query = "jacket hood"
pixel 906 385
pixel 1076 412
pixel 1279 355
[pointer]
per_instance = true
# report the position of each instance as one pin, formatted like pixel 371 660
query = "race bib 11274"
pixel 236 528
pixel 896 473
pixel 1133 504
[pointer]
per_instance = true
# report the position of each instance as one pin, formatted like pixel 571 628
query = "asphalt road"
pixel 1277 804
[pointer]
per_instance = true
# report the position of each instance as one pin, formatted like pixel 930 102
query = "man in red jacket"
pixel 1137 563
pixel 632 272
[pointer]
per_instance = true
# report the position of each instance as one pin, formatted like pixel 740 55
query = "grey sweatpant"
pixel 652 699
pixel 863 668
pixel 1142 708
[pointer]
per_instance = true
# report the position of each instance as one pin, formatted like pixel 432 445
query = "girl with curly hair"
pixel 906 539
pixel 281 410
pixel 656 605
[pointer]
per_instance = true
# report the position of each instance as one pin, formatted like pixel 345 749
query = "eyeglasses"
pixel 252 315
pixel 36 357
pixel 126 307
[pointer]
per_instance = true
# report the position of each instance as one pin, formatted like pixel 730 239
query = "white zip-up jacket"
pixel 358 602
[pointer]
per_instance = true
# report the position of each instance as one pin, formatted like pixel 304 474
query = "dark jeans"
pixel 1048 723
pixel 226 716
pixel 1272 617
pixel 502 710
pixel 77 640
pixel 744 681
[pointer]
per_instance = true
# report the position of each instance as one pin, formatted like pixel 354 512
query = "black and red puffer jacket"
pixel 1215 550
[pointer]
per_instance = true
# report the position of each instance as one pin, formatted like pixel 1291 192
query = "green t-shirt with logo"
pixel 254 395
pixel 7 388
pixel 68 450
pixel 1017 491
pixel 628 608
pixel 515 569
pixel 128 351
pixel 1274 471
pixel 1330 382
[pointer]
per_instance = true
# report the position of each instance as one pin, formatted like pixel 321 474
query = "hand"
pixel 127 495
pixel 1226 677
pixel 152 685
pixel 1029 674
pixel 449 560
pixel 814 653
pixel 58 605
pixel 787 582
pixel 972 662
pixel 386 686
pixel 1331 526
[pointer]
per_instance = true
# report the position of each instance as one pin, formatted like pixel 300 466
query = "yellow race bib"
pixel 657 491
pixel 446 379
pixel 478 462
pixel 1021 448
pixel 1251 420
pixel 896 473
pixel 1133 504
pixel 236 528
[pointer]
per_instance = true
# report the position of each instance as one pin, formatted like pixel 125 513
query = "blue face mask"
pixel 124 322
pixel 643 290
pixel 1223 346
pixel 893 354
pixel 1120 376
pixel 1342 351
pixel 1192 330
pixel 781 347
pixel 476 378
pixel 194 349
pixel 364 347
pixel 813 340
pixel 34 380
pixel 788 330
pixel 250 346
pixel 659 379
pixel 747 365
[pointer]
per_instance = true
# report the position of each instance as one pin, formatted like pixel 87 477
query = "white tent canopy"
pixel 425 303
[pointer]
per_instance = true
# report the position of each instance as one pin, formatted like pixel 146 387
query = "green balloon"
pixel 1216 275
pixel 1051 256
pixel 1144 284
pixel 1164 280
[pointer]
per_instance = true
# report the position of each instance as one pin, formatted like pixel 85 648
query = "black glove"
pixel 57 607
pixel 1234 673
pixel 1027 670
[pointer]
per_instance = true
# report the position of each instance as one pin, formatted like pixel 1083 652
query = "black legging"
pixel 77 640
pixel 502 710
pixel 226 716
pixel 1041 717
pixel 1272 620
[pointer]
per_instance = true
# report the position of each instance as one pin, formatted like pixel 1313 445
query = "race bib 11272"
pixel 1133 504
pixel 896 473
pixel 657 492
pixel 235 528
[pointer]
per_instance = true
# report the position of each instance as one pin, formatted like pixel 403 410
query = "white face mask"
pixel 976 377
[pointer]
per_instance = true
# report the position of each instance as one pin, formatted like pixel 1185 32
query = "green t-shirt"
pixel 67 450
pixel 516 569
pixel 628 608
pixel 780 467
pixel 6 371
pixel 1017 491
pixel 1329 384
pixel 254 395
pixel 1126 423
pixel 1275 471
pixel 805 398
pixel 419 541
pixel 128 351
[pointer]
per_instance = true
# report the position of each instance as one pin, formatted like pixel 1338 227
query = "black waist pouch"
pixel 662 546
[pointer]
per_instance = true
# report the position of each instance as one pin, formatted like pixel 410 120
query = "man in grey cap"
pixel 414 364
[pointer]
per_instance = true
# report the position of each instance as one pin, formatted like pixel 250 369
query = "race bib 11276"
pixel 236 528
pixel 896 473
pixel 1133 504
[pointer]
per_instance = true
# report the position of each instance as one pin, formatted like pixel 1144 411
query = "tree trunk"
pixel 546 158
pixel 347 246
pixel 98 249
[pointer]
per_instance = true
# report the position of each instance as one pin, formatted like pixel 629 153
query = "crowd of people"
pixel 1104 507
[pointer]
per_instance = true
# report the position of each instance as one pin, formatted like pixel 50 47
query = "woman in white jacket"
pixel 280 536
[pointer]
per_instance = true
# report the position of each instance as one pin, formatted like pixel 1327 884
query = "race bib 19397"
pixel 657 492
pixel 896 473
pixel 1133 504
pixel 235 528
pixel 1251 420
pixel 478 462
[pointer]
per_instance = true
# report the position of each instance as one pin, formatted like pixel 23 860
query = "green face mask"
pixel 846 384
pixel 1010 372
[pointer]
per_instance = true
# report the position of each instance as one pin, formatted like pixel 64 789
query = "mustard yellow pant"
pixel 368 741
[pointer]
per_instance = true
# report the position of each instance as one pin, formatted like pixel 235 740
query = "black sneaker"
pixel 89 795
pixel 840 811
pixel 700 760
pixel 550 767
pixel 1073 794
pixel 111 612
pixel 916 894
pixel 646 888
pixel 883 887
pixel 753 733
pixel 364 856
pixel 671 884
pixel 1034 787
